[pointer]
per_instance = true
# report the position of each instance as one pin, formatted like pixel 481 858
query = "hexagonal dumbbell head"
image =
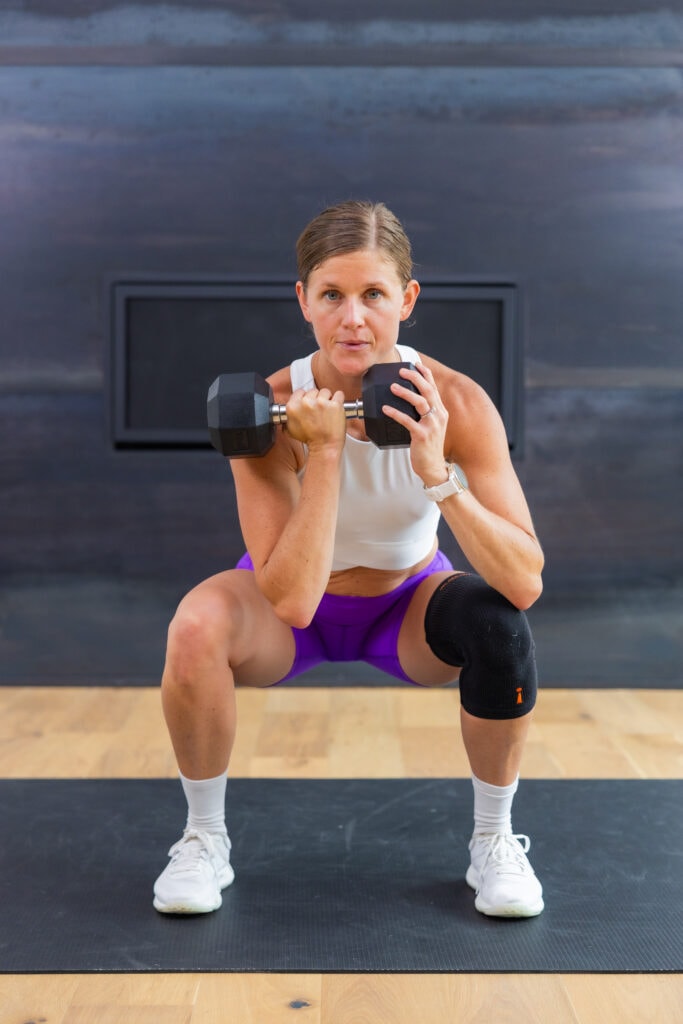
pixel 238 412
pixel 377 392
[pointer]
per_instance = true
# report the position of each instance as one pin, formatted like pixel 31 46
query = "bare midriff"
pixel 361 581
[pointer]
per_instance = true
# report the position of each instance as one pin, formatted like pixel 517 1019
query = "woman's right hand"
pixel 317 418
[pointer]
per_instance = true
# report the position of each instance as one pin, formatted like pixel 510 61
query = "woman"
pixel 342 534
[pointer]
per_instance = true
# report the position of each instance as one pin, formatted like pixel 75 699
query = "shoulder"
pixel 281 383
pixel 299 374
pixel 473 419
pixel 458 391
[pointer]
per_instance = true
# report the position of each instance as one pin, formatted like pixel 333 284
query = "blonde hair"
pixel 351 226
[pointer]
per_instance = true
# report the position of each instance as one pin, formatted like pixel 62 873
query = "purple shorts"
pixel 357 628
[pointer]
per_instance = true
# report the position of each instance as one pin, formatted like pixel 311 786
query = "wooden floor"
pixel 338 733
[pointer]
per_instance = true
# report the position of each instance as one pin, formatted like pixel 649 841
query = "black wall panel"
pixel 545 150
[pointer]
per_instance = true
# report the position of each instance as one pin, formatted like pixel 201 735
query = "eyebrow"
pixel 325 285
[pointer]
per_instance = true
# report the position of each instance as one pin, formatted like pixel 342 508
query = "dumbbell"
pixel 243 416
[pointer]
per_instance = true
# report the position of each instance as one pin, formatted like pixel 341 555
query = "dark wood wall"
pixel 545 148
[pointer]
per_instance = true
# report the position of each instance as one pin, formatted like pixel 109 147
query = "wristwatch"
pixel 456 484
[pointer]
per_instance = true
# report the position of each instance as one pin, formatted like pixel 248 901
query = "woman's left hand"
pixel 428 434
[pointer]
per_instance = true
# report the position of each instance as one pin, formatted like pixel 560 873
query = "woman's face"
pixel 355 303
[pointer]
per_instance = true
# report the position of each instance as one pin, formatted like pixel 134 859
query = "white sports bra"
pixel 384 520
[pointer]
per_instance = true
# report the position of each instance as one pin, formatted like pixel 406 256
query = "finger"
pixel 417 373
pixel 420 400
pixel 403 418
pixel 315 397
pixel 422 378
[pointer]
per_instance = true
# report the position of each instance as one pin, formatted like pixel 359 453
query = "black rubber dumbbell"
pixel 242 415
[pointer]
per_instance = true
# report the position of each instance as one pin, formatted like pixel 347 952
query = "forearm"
pixel 508 557
pixel 297 571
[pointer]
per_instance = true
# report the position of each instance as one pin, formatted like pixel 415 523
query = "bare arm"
pixel 491 522
pixel 289 524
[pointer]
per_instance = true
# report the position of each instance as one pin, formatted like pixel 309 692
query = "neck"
pixel 326 375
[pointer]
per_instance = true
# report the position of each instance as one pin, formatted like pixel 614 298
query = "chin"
pixel 353 361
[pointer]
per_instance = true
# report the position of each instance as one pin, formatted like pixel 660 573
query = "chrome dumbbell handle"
pixel 352 411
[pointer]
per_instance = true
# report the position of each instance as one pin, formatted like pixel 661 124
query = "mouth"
pixel 352 344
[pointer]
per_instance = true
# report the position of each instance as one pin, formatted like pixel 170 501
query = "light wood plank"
pixel 364 742
pixel 143 990
pixel 251 709
pixel 420 707
pixel 107 1014
pixel 623 711
pixel 341 999
pixel 437 998
pixel 52 732
pixel 656 755
pixel 297 735
pixel 626 998
pixel 433 752
pixel 258 999
pixel 35 997
pixel 586 751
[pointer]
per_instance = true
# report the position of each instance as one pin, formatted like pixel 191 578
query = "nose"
pixel 353 313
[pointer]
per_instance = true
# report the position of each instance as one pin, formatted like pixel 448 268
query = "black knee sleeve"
pixel 471 625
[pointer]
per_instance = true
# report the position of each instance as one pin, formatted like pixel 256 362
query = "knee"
pixel 468 623
pixel 198 635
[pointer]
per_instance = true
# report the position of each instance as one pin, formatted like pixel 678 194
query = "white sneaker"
pixel 199 869
pixel 505 882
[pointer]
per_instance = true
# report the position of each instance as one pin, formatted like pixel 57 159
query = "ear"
pixel 410 294
pixel 301 296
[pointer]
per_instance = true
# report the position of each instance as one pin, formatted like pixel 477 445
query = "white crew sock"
pixel 493 806
pixel 205 802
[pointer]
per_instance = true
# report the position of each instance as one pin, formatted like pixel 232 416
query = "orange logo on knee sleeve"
pixel 519 695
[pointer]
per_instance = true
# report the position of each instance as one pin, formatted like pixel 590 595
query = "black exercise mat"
pixel 339 876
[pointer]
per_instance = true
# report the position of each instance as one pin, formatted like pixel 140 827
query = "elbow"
pixel 294 609
pixel 527 594
pixel 295 621
pixel 295 614
pixel 530 585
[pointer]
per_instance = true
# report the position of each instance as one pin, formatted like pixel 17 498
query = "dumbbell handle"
pixel 352 411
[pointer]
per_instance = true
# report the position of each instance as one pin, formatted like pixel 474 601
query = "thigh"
pixel 241 625
pixel 414 653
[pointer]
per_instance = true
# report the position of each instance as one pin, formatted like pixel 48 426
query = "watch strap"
pixel 455 484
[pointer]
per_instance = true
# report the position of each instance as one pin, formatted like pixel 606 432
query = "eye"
pixel 374 293
pixel 332 294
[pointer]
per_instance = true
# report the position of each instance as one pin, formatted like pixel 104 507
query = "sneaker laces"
pixel 507 853
pixel 191 852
